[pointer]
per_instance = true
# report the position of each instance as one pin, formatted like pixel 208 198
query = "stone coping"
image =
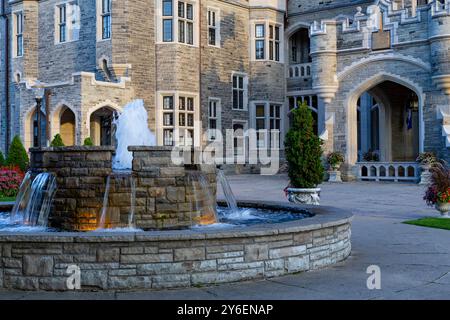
pixel 149 148
pixel 324 217
pixel 74 149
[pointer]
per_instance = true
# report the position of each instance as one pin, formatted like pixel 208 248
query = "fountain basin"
pixel 181 258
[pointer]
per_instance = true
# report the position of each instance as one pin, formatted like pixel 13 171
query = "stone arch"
pixel 55 122
pixel 113 107
pixel 351 112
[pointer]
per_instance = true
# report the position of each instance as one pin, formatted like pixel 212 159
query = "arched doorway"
pixel 102 128
pixel 67 127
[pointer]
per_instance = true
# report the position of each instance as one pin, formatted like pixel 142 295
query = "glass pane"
pixel 190 12
pixel 181 9
pixel 167 30
pixel 241 100
pixel 234 81
pixel 181 31
pixel 167 7
pixel 182 120
pixel 168 137
pixel 190 33
pixel 212 36
pixel 182 103
pixel 271 32
pixel 235 99
pixel 168 119
pixel 271 50
pixel 277 51
pixel 190 120
pixel 260 124
pixel 259 49
pixel 213 124
pixel 260 111
pixel 259 31
pixel 168 102
pixel 190 104
pixel 241 82
pixel 277 33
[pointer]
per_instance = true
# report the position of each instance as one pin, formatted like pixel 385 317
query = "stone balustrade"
pixel 389 171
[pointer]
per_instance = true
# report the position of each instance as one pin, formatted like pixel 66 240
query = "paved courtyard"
pixel 414 261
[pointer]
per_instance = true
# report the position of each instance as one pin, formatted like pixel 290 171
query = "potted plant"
pixel 426 160
pixel 303 154
pixel 335 160
pixel 438 193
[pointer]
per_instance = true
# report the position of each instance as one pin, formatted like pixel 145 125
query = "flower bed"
pixel 10 180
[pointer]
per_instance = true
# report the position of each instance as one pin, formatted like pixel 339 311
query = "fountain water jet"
pixel 131 130
pixel 203 202
pixel 228 193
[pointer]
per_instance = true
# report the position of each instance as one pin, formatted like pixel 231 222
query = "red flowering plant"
pixel 10 180
pixel 439 189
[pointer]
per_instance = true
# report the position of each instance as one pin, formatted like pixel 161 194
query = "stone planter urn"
pixel 425 174
pixel 444 209
pixel 334 174
pixel 304 196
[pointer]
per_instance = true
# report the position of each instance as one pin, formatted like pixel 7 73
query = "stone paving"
pixel 414 261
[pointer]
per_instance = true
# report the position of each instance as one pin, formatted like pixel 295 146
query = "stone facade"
pixel 350 47
pixel 164 193
pixel 140 261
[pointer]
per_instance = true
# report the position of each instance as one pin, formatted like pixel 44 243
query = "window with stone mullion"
pixel 19 34
pixel 62 23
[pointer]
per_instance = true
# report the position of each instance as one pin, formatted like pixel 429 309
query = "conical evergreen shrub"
pixel 57 141
pixel 17 155
pixel 304 150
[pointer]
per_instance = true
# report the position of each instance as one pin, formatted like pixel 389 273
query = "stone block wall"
pixel 140 261
pixel 81 174
pixel 165 193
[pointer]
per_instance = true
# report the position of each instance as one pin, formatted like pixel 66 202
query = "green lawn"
pixel 438 223
pixel 6 199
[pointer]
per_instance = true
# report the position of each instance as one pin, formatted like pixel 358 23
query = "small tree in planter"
pixel 438 194
pixel 426 160
pixel 335 160
pixel 88 142
pixel 303 154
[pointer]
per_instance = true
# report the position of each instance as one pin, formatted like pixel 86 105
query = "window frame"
pixel 18 33
pixel 267 140
pixel 217 117
pixel 268 44
pixel 188 111
pixel 213 26
pixel 108 16
pixel 244 91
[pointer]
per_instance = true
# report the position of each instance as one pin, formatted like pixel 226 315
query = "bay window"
pixel 267 42
pixel 178 120
pixel 177 19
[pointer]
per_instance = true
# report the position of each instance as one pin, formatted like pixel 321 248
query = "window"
pixel 67 22
pixel 185 23
pixel 267 119
pixel 239 92
pixel 259 42
pixel 214 119
pixel 178 121
pixel 267 42
pixel 19 34
pixel 106 19
pixel 213 28
pixel 62 22
pixel 275 123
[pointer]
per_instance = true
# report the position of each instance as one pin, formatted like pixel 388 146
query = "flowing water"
pixel 228 193
pixel 131 130
pixel 119 202
pixel 34 200
pixel 203 204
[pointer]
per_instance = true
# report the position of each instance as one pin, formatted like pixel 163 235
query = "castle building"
pixel 376 74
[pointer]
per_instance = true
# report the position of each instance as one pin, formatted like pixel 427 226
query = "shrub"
pixel 17 155
pixel 2 159
pixel 335 158
pixel 88 142
pixel 57 141
pixel 10 180
pixel 439 189
pixel 304 150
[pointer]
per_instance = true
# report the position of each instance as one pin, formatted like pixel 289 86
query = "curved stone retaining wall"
pixel 153 260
